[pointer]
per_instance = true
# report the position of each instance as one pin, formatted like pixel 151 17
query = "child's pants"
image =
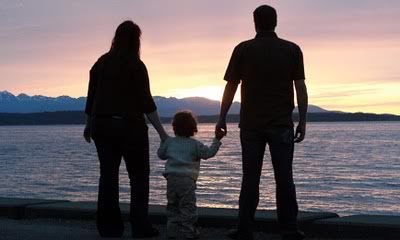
pixel 181 207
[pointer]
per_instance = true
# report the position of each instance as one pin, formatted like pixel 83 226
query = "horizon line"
pixel 323 108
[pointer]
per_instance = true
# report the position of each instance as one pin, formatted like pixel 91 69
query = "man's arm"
pixel 302 103
pixel 229 94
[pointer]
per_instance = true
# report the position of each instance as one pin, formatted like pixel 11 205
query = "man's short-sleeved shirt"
pixel 266 66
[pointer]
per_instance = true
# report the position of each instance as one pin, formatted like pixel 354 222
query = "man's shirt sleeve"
pixel 232 73
pixel 298 68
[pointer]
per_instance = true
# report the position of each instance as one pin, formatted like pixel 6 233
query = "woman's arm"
pixel 155 121
pixel 162 150
pixel 150 108
pixel 93 75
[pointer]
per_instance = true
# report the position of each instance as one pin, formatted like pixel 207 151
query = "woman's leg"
pixel 136 156
pixel 109 222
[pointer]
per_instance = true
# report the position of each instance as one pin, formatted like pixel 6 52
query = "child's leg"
pixel 188 210
pixel 172 208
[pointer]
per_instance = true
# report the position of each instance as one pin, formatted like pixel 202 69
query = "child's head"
pixel 184 124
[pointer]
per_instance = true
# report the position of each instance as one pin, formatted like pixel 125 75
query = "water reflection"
pixel 341 167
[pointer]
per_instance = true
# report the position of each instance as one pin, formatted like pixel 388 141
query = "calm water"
pixel 348 168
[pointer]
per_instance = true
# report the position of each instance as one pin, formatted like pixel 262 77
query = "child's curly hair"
pixel 184 124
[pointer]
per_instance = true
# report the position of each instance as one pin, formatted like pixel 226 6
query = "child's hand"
pixel 220 134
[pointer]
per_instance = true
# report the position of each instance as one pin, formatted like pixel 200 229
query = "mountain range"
pixel 167 107
pixel 41 110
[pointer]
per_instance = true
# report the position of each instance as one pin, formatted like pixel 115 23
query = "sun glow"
pixel 187 48
pixel 211 92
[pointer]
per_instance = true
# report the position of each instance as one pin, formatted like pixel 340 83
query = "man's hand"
pixel 220 128
pixel 220 134
pixel 87 134
pixel 302 102
pixel 229 94
pixel 300 133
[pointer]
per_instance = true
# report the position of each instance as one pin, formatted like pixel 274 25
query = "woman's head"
pixel 127 39
pixel 184 124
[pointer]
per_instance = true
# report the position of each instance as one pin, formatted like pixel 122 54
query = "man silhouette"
pixel 266 67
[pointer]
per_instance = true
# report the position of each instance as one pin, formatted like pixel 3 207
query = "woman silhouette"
pixel 118 97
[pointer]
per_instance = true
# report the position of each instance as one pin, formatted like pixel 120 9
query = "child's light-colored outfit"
pixel 182 168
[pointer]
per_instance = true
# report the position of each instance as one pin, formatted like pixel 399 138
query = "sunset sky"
pixel 351 48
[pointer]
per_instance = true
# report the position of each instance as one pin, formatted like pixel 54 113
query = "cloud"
pixel 340 93
pixel 379 107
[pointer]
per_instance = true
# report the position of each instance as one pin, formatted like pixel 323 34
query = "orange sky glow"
pixel 351 48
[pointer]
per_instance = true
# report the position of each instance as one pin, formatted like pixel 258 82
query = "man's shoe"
pixel 240 235
pixel 148 232
pixel 293 236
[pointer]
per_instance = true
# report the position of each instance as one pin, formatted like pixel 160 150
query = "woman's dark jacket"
pixel 119 86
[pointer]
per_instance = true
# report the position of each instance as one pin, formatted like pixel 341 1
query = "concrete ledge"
pixel 15 207
pixel 208 217
pixel 265 220
pixel 64 210
pixel 319 224
pixel 359 226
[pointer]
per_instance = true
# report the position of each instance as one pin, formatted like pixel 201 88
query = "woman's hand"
pixel 164 136
pixel 155 121
pixel 87 134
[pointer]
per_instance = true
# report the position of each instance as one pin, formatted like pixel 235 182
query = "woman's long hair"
pixel 126 41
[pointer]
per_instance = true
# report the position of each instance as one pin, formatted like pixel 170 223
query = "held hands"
pixel 300 133
pixel 164 136
pixel 220 134
pixel 220 129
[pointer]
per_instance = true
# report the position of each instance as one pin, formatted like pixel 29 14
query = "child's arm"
pixel 205 152
pixel 162 150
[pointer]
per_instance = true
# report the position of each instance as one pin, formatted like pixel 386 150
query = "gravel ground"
pixel 59 229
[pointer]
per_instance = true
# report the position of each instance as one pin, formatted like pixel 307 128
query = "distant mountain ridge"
pixel 24 103
pixel 167 107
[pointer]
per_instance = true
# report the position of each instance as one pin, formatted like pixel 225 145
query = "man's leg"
pixel 281 146
pixel 253 148
pixel 109 222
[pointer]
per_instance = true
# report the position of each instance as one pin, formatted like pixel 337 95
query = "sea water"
pixel 347 168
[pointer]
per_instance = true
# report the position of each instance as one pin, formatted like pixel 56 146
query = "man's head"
pixel 265 18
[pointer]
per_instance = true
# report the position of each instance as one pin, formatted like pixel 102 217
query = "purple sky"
pixel 351 48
